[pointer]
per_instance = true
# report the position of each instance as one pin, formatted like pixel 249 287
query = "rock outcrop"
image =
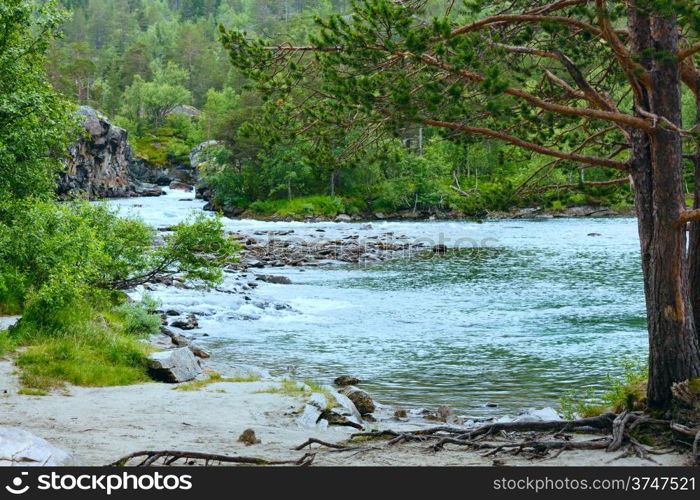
pixel 99 164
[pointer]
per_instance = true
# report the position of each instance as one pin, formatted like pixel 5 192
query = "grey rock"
pixel 98 164
pixel 180 186
pixel 21 448
pixel 278 280
pixel 175 366
pixel 361 399
pixel 346 380
pixel 343 218
pixel 318 400
pixel 345 403
pixel 309 417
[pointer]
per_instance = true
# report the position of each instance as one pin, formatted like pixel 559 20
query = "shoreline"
pixel 100 425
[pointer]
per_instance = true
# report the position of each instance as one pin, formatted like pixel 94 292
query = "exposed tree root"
pixel 530 439
pixel 170 457
pixel 541 438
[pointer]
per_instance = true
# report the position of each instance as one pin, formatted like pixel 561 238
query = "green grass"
pixel 100 359
pixel 328 206
pixel 214 378
pixel 98 348
pixel 625 392
pixel 25 391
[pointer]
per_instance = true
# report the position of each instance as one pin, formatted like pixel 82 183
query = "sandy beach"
pixel 100 425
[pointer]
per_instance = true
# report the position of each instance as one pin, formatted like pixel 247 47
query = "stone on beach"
pixel 361 399
pixel 177 365
pixel 21 448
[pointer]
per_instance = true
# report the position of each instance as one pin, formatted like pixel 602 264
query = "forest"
pixel 136 61
pixel 332 129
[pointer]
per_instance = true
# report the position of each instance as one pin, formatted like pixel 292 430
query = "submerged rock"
pixel 180 186
pixel 187 324
pixel 278 280
pixel 23 449
pixel 175 366
pixel 346 380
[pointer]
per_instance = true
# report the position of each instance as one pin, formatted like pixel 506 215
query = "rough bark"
pixel 657 171
pixel 694 229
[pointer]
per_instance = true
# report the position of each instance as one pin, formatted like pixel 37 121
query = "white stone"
pixel 22 449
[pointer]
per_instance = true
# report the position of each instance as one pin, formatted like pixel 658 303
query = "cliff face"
pixel 98 165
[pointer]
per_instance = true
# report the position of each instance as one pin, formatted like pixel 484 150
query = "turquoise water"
pixel 528 311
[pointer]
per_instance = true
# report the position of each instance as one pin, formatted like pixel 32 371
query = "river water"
pixel 526 311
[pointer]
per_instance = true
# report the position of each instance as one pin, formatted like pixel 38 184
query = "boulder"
pixel 345 404
pixel 180 186
pixel 346 380
pixel 185 110
pixel 309 417
pixel 318 400
pixel 277 280
pixel 21 448
pixel 343 218
pixel 361 399
pixel 175 366
pixel 186 324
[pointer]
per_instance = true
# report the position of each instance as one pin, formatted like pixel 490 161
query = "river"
pixel 526 311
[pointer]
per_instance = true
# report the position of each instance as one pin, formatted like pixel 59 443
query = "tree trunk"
pixel 694 230
pixel 657 171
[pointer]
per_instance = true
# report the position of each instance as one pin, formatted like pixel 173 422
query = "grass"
pixel 625 392
pixel 26 391
pixel 328 206
pixel 214 378
pixel 294 388
pixel 100 348
pixel 101 359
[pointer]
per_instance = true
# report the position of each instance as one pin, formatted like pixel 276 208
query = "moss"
pixel 163 149
pixel 694 385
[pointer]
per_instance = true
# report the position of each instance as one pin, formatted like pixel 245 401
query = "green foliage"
pixel 35 122
pixel 77 252
pixel 147 104
pixel 328 206
pixel 138 319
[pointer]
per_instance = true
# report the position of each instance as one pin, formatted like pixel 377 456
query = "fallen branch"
pixel 169 457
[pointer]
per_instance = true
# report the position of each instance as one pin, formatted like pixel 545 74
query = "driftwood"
pixel 170 457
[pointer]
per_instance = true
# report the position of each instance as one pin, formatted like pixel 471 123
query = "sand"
pixel 100 425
